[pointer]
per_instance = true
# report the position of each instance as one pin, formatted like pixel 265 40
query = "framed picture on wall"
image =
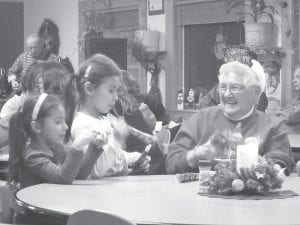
pixel 155 7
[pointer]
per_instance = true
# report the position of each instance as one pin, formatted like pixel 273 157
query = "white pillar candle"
pixel 247 155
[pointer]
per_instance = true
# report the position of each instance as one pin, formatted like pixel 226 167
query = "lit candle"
pixel 247 155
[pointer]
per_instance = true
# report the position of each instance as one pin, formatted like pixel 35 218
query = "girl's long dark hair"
pixel 20 130
pixel 70 101
pixel 17 143
pixel 56 81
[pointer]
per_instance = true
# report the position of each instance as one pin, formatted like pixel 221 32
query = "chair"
pixel 294 139
pixel 7 211
pixel 92 217
pixel 163 140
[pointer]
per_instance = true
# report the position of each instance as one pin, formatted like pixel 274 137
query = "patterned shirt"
pixel 22 63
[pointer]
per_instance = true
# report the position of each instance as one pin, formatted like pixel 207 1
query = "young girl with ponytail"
pixel 44 158
pixel 98 82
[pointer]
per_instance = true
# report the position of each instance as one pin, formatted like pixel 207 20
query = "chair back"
pixel 163 140
pixel 93 217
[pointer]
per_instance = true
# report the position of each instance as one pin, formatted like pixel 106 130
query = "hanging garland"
pixel 276 51
pixel 244 53
pixel 238 53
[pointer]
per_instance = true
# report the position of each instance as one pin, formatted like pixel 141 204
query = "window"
pixel 204 49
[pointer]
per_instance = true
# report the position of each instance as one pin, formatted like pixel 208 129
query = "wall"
pixel 67 21
pixel 11 30
pixel 64 13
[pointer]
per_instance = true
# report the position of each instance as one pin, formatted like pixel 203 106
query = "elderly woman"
pixel 240 88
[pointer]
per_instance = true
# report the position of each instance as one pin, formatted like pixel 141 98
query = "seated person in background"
pixel 157 108
pixel 211 98
pixel 131 98
pixel 22 63
pixel 128 106
pixel 291 113
pixel 54 79
pixel 45 159
pixel 239 89
pixel 146 101
pixel 55 76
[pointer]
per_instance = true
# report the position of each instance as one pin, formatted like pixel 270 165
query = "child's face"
pixel 53 127
pixel 105 95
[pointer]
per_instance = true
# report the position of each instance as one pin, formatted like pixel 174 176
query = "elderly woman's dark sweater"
pixel 197 130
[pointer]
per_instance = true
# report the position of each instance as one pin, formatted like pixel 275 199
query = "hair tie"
pixel 39 83
pixel 87 71
pixel 38 105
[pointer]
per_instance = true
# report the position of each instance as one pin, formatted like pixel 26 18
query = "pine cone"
pixel 260 189
pixel 266 182
pixel 260 169
pixel 252 173
pixel 247 173
pixel 252 185
pixel 242 174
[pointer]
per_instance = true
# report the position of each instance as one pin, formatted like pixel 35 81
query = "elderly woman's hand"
pixel 227 140
pixel 217 146
pixel 205 151
pixel 234 138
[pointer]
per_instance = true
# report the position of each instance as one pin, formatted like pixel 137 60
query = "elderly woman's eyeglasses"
pixel 234 89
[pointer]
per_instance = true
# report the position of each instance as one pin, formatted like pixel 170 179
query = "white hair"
pixel 252 76
pixel 33 37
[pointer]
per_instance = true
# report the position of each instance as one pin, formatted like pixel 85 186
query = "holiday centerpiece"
pixel 244 172
pixel 261 178
pixel 241 174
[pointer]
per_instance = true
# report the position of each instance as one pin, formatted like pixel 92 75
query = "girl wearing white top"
pixel 97 83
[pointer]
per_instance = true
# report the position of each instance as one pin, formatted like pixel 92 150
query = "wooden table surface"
pixel 161 200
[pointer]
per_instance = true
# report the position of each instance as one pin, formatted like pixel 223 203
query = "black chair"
pixel 92 217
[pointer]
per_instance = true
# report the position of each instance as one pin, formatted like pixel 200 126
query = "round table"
pixel 159 200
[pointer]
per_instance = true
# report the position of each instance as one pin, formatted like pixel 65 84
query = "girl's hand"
pixel 83 139
pixel 143 165
pixel 101 138
pixel 120 129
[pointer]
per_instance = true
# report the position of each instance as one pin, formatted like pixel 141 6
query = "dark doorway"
pixel 203 49
pixel 115 48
